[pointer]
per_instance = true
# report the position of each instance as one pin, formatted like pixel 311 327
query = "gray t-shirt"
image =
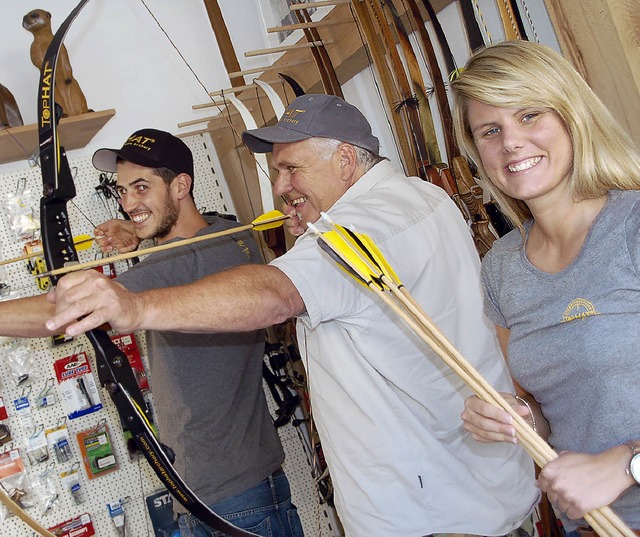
pixel 575 335
pixel 207 388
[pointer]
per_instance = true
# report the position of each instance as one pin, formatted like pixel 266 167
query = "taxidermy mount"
pixel 68 92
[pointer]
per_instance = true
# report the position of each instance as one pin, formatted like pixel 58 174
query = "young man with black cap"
pixel 208 396
pixel 387 409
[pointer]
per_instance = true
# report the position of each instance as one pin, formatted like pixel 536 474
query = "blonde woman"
pixel 563 288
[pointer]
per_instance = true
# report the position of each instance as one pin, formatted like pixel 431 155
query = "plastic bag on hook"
pixel 19 359
pixel 15 482
pixel 21 212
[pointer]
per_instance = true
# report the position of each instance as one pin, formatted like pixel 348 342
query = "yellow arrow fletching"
pixel 379 258
pixel 342 264
pixel 269 220
pixel 82 242
pixel 364 244
pixel 346 251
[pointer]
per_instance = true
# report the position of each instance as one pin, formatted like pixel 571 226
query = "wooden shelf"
pixel 17 143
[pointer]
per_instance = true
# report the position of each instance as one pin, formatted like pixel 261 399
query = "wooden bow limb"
pixel 373 44
pixel 328 76
pixel 293 84
pixel 359 257
pixel 408 102
pixel 511 22
pixel 437 78
pixel 484 234
pixel 475 36
pixel 269 220
pixel 417 84
pixel 322 3
pixel 274 98
pixel 457 180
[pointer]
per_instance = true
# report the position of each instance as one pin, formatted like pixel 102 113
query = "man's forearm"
pixel 241 299
pixel 25 317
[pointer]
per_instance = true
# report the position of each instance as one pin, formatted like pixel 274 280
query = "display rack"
pixel 18 143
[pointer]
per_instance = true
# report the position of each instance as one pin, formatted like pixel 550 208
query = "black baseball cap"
pixel 150 148
pixel 312 115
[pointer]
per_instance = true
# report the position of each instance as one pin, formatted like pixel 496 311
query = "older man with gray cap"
pixel 386 408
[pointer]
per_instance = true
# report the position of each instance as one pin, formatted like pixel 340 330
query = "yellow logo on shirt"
pixel 578 309
pixel 244 248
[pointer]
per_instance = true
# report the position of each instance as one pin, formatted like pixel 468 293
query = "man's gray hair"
pixel 326 147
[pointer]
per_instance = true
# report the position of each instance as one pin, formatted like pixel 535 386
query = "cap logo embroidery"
pixel 289 116
pixel 140 141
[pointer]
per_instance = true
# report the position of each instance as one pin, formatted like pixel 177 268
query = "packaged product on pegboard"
pixel 76 527
pixel 77 386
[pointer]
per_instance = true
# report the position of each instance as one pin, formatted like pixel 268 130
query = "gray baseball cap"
pixel 312 115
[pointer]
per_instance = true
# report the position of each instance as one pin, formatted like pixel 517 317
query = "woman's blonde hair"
pixel 524 74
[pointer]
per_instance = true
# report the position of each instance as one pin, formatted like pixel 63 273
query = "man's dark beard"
pixel 169 220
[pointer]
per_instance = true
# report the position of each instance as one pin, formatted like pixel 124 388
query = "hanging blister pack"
pixel 128 345
pixel 97 450
pixel 20 212
pixel 5 433
pixel 47 396
pixel 36 446
pixel 3 412
pixel 23 409
pixel 116 512
pixel 58 441
pixel 45 491
pixel 80 525
pixel 78 389
pixel 5 288
pixel 36 263
pixel 71 482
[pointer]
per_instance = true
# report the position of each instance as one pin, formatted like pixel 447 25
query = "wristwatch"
pixel 634 463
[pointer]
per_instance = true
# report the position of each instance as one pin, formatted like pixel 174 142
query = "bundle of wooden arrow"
pixel 357 254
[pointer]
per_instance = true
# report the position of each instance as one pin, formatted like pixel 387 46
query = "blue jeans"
pixel 265 509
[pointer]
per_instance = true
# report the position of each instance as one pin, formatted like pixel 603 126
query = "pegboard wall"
pixel 133 481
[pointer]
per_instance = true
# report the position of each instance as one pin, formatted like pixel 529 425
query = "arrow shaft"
pixel 161 247
pixel 39 254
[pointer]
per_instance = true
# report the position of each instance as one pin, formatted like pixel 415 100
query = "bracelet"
pixel 634 452
pixel 533 418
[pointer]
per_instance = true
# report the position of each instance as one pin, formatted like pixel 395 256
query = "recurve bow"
pixel 511 21
pixel 375 48
pixel 328 75
pixel 407 103
pixel 417 83
pixel 465 186
pixel 114 370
